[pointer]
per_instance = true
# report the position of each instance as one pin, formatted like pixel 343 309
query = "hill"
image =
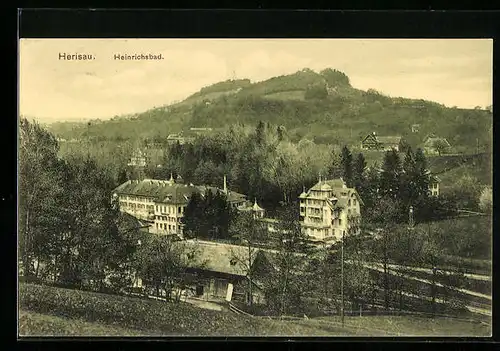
pixel 323 107
pixel 51 311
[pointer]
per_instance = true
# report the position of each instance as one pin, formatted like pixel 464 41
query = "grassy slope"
pixel 37 324
pixel 56 311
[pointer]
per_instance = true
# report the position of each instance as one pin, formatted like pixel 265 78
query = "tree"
pixel 193 216
pixel 359 171
pixel 421 174
pixel 335 169
pixel 486 200
pixel 390 179
pixel 259 133
pixel 163 264
pixel 122 176
pixel 408 187
pixel 90 240
pixel 383 222
pixel 249 231
pixel 441 146
pixel 39 187
pixel 346 163
pixel 285 286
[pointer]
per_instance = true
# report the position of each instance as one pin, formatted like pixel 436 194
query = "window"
pixel 169 227
pixel 340 221
pixel 173 228
pixel 232 261
pixel 349 202
pixel 178 210
pixel 354 201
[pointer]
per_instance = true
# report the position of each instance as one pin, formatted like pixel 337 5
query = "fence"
pixel 236 310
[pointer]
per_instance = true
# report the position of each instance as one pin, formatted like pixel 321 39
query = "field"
pixel 51 311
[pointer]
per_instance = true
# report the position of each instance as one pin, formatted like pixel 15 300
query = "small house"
pixel 222 271
pixel 381 143
pixel 434 145
pixel 434 185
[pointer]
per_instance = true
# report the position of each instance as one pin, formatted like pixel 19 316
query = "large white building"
pixel 162 203
pixel 326 209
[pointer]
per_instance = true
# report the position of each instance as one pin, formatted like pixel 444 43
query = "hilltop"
pixel 321 106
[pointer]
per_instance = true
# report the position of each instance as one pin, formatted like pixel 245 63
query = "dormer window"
pixel 190 255
pixel 232 261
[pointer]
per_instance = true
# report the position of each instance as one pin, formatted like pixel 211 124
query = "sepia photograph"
pixel 255 187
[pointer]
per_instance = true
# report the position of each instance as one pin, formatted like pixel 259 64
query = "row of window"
pixel 136 198
pixel 163 226
pixel 168 219
pixel 169 209
pixel 135 206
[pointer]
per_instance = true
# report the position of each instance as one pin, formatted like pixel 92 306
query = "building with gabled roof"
pixel 222 270
pixel 381 143
pixel 162 203
pixel 434 145
pixel 327 209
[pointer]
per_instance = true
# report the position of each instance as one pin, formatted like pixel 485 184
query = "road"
pixel 379 267
pixel 428 270
pixel 469 292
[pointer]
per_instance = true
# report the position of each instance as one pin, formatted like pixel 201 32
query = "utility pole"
pixel 342 280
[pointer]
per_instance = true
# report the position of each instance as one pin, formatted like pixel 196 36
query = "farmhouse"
pixel 328 208
pixel 381 143
pixel 221 271
pixel 434 145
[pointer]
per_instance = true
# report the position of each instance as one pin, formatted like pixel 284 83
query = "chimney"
pixel 225 184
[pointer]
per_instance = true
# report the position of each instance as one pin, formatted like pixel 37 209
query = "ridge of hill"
pixel 320 106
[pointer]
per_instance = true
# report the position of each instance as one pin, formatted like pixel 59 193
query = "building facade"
pixel 328 208
pixel 162 203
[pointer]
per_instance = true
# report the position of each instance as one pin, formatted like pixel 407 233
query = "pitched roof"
pixel 219 257
pixel 430 140
pixel 336 186
pixel 161 190
pixel 389 139
pixel 168 191
pixel 232 196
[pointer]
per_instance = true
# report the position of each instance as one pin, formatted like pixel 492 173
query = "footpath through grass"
pixel 51 311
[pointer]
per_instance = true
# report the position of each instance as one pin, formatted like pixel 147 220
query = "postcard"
pixel 255 187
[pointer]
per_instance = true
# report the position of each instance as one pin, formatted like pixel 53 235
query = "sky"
pixel 454 72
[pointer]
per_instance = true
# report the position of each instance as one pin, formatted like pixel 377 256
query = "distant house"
pixel 415 128
pixel 200 129
pixel 381 143
pixel 174 138
pixel 434 145
pixel 433 185
pixel 255 209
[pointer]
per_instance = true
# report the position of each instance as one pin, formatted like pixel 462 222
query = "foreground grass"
pixel 413 326
pixel 37 324
pixel 50 311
